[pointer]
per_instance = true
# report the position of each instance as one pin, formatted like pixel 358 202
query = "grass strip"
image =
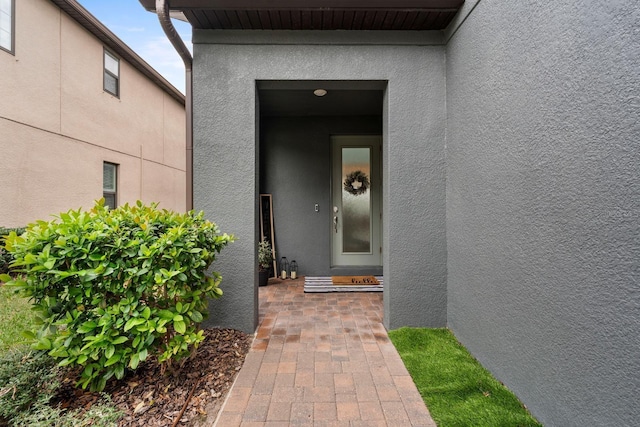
pixel 457 390
pixel 16 317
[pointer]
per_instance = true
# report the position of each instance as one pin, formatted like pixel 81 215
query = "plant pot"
pixel 263 277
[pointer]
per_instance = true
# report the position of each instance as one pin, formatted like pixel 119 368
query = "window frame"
pixel 105 71
pixel 12 48
pixel 114 192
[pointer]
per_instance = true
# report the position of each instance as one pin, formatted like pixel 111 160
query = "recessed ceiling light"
pixel 319 92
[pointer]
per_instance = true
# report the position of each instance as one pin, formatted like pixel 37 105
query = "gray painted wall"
pixel 296 169
pixel 226 68
pixel 543 203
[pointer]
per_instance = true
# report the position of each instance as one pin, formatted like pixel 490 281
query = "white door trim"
pixel 340 257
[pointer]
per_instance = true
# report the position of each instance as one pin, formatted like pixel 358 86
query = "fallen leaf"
pixel 139 407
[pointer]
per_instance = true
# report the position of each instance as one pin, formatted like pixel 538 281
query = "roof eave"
pixel 324 15
pixel 405 5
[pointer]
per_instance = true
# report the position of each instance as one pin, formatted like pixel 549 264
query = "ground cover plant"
pixel 457 390
pixel 29 379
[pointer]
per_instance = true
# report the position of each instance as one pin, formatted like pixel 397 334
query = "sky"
pixel 141 30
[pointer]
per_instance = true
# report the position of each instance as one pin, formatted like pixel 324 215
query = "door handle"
pixel 335 223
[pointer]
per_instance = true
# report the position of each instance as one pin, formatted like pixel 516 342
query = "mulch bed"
pixel 189 397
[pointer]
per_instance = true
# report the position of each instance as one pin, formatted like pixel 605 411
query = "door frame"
pixel 372 260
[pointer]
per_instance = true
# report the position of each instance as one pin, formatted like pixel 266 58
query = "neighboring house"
pixel 82 116
pixel 510 162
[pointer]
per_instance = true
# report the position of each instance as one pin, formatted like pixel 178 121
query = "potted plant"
pixel 265 259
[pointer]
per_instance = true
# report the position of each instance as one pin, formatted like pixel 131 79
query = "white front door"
pixel 357 197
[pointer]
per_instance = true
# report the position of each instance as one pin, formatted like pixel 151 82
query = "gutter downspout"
pixel 162 10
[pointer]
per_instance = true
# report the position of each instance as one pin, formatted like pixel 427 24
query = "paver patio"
pixel 322 360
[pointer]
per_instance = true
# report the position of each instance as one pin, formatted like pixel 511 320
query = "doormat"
pixel 325 284
pixel 354 280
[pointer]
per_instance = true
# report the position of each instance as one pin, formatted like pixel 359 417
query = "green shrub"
pixel 5 257
pixel 113 286
pixel 26 376
pixel 28 381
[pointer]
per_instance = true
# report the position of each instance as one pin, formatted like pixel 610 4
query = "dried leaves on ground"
pixel 188 397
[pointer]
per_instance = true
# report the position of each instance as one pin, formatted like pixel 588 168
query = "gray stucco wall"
pixel 227 66
pixel 543 203
pixel 296 169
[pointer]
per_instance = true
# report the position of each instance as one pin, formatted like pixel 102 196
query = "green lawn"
pixel 15 317
pixel 457 390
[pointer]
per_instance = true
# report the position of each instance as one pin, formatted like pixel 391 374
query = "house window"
pixel 111 73
pixel 110 184
pixel 7 24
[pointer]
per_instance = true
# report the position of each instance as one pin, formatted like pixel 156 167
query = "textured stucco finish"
pixel 225 161
pixel 57 125
pixel 543 203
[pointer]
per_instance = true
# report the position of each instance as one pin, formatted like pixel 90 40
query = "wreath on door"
pixel 356 183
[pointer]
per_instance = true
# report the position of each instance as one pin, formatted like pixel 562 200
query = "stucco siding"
pixel 35 183
pixel 173 131
pixel 58 125
pixel 225 160
pixel 164 185
pixel 90 113
pixel 543 203
pixel 30 85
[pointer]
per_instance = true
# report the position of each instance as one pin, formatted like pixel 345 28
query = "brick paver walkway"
pixel 322 360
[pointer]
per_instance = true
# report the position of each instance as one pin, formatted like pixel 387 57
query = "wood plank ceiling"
pixel 402 15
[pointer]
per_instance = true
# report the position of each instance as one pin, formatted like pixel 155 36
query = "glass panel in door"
pixel 356 200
